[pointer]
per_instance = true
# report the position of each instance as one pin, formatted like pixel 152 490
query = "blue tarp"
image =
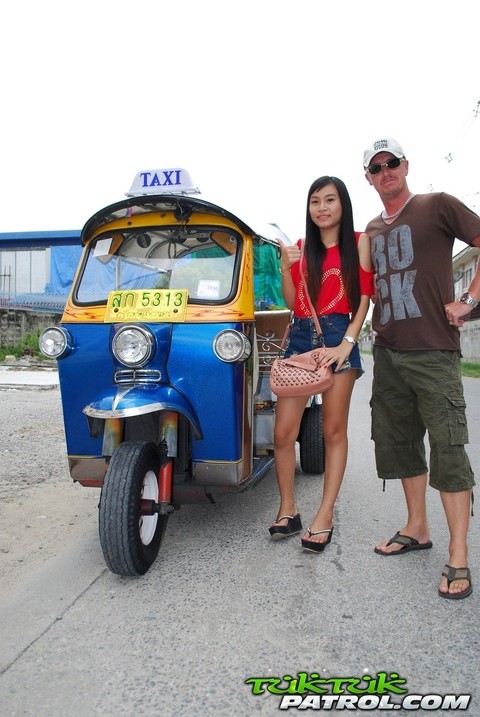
pixel 63 264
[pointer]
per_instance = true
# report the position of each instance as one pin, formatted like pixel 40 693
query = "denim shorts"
pixel 303 337
pixel 415 392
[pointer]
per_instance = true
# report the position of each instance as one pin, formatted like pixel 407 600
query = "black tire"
pixel 130 541
pixel 310 438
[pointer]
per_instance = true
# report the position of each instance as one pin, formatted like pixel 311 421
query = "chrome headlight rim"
pixel 232 346
pixel 55 342
pixel 145 338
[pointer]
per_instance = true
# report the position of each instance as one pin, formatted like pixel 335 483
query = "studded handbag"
pixel 301 374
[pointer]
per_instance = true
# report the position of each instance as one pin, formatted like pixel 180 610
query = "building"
pixel 465 264
pixel 37 268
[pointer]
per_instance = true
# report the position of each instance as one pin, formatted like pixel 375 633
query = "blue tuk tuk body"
pixel 173 320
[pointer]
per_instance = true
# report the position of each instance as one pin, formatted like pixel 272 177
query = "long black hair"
pixel 315 251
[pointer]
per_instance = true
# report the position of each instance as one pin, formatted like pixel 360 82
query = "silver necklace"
pixel 391 216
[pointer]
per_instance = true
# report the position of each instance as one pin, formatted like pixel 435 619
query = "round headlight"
pixel 55 342
pixel 231 346
pixel 133 345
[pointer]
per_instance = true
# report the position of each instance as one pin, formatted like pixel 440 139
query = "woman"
pixel 338 272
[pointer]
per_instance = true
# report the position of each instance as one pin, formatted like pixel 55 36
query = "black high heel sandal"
pixel 315 546
pixel 293 527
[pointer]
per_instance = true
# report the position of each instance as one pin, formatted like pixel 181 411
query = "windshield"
pixel 201 259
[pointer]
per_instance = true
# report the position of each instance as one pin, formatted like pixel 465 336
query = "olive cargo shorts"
pixel 415 392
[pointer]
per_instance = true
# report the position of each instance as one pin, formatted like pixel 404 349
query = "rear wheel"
pixel 130 540
pixel 310 438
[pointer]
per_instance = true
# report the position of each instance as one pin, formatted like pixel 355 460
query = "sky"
pixel 256 99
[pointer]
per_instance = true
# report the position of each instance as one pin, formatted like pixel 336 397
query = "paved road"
pixel 222 604
pixel 28 377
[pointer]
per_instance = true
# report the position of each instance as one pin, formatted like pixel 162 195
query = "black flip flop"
pixel 293 527
pixel 456 574
pixel 313 545
pixel 407 544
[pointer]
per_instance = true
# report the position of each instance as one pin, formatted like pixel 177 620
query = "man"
pixel 417 386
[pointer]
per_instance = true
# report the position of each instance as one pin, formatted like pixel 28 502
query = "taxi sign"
pixel 162 181
pixel 168 305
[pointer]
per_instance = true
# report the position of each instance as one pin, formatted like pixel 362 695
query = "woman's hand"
pixel 289 255
pixel 337 354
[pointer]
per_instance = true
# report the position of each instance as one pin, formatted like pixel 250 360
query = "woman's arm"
pixel 364 253
pixel 290 255
pixel 340 353
pixel 365 259
pixel 355 325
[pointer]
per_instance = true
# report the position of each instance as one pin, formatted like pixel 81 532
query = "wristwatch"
pixel 466 298
pixel 350 340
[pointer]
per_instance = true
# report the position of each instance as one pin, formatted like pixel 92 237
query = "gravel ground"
pixel 37 495
pixel 32 439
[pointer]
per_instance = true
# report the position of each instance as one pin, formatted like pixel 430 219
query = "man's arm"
pixel 457 309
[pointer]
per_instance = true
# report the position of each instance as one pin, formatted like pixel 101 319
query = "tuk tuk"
pixel 164 349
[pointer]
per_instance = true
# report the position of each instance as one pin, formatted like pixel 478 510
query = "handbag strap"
pixel 302 277
pixel 312 310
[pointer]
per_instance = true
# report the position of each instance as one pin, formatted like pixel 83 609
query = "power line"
pixel 464 130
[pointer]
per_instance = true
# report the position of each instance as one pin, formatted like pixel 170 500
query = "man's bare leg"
pixel 457 511
pixel 416 526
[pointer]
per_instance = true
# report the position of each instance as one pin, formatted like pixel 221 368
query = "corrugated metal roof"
pixel 39 240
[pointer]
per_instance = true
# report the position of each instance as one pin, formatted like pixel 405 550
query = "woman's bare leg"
pixel 288 416
pixel 336 405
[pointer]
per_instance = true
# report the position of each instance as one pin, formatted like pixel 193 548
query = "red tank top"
pixel 332 297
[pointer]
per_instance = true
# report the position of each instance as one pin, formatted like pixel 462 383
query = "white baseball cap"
pixel 382 145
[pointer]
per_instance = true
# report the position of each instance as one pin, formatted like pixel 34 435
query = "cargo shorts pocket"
pixel 457 420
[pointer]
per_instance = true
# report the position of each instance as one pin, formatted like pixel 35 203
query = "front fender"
pixel 128 401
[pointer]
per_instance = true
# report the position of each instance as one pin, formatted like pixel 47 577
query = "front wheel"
pixel 310 438
pixel 130 541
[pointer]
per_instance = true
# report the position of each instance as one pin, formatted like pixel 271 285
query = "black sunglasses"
pixel 391 164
